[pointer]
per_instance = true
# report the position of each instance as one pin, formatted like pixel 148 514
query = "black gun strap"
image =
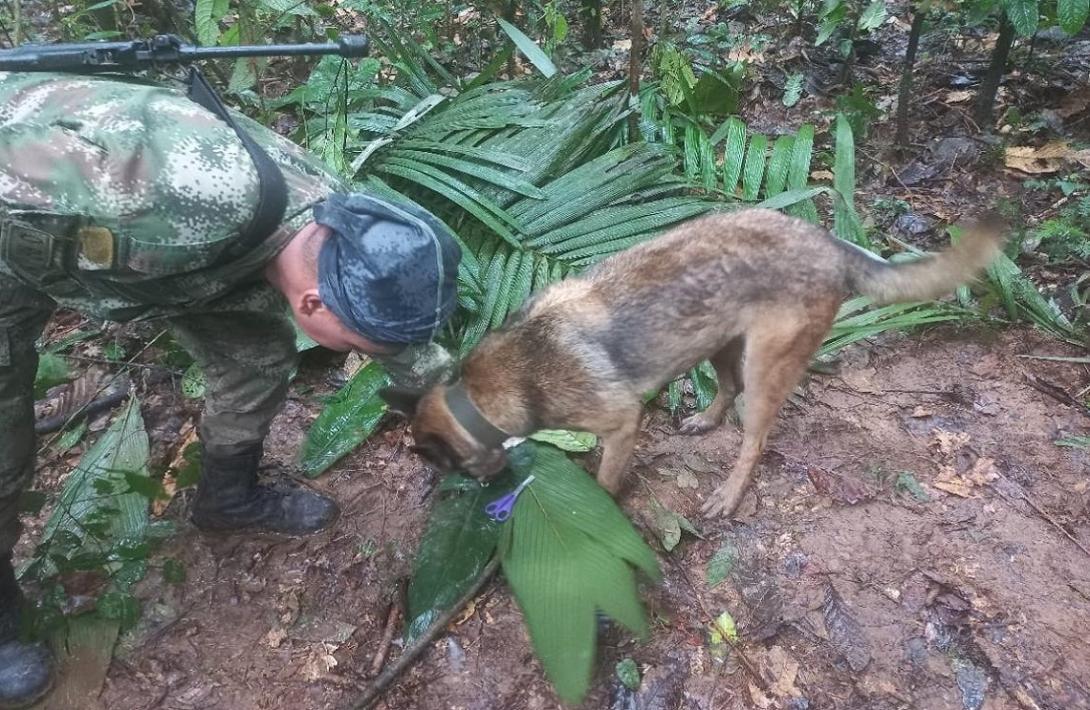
pixel 272 198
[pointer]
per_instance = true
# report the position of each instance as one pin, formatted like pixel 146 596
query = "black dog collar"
pixel 470 418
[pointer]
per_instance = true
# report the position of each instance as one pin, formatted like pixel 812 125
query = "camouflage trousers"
pixel 247 358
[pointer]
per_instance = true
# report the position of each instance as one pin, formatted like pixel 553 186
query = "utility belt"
pixel 40 249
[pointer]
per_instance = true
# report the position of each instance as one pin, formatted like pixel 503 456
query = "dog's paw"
pixel 697 424
pixel 723 501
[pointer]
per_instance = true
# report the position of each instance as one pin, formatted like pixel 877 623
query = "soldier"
pixel 126 200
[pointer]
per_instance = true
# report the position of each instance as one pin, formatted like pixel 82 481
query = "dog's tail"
pixel 926 278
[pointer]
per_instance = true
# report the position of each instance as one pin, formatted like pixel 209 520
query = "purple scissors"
pixel 500 509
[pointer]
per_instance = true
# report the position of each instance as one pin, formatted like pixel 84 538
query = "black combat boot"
pixel 26 669
pixel 229 499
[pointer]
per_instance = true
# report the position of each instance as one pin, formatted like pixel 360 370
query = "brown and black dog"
pixel 753 291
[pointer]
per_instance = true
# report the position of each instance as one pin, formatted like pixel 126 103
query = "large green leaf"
pixel 845 222
pixel 206 17
pixel 716 93
pixel 528 47
pixel 98 507
pixel 457 544
pixel 52 370
pixel 567 440
pixel 1023 14
pixel 347 421
pixel 570 551
pixel 734 154
pixel 856 320
pixel 1072 14
pixel 755 166
pixel 1021 299
pixel 872 16
pixel 798 174
pixel 778 165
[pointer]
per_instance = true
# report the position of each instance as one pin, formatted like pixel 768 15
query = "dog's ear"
pixel 401 400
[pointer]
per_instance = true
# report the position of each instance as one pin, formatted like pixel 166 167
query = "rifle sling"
pixel 272 199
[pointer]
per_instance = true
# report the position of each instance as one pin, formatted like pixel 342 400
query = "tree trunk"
pixel 846 70
pixel 904 93
pixel 985 103
pixel 592 23
pixel 635 65
pixel 17 22
pixel 509 15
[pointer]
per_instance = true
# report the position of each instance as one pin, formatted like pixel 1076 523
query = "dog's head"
pixel 439 438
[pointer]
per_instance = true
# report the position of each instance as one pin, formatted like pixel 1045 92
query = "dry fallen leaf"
pixel 1049 158
pixel 188 435
pixel 983 471
pixel 275 637
pixel 1075 103
pixel 956 97
pixel 959 488
pixel 320 662
pixel 467 613
pixel 784 670
pixel 759 698
pixel 288 605
pixel 353 364
pixel 745 53
pixel 948 442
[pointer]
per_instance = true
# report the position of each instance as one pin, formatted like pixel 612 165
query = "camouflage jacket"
pixel 142 190
pixel 139 191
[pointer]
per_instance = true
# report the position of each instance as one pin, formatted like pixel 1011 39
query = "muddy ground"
pixel 850 590
pixel 916 538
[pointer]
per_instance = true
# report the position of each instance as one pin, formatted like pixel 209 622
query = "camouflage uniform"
pixel 118 199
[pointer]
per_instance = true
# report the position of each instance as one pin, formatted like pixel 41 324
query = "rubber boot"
pixel 27 670
pixel 229 499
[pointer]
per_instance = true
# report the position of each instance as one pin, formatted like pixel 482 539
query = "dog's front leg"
pixel 617 446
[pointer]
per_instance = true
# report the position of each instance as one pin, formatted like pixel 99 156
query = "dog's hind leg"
pixel 728 371
pixel 617 446
pixel 777 353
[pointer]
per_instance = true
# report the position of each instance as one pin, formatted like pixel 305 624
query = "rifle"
pixel 138 54
pixel 129 55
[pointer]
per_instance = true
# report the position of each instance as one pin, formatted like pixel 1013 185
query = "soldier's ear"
pixel 401 400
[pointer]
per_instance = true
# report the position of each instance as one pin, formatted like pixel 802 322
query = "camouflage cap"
pixel 389 271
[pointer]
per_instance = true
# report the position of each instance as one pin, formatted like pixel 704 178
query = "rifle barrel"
pixel 354 46
pixel 164 49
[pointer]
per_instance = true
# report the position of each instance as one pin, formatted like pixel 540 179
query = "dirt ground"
pixel 850 590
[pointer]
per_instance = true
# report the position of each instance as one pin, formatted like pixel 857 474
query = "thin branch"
pixel 635 65
pixel 394 670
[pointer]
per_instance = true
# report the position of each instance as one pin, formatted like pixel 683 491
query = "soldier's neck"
pixel 295 267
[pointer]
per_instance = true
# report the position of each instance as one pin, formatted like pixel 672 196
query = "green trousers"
pixel 247 359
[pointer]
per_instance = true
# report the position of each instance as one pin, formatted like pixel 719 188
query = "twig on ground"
pixel 1047 517
pixel 396 606
pixel 411 653
pixel 1057 393
pixel 109 381
pixel 90 409
pixel 710 621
